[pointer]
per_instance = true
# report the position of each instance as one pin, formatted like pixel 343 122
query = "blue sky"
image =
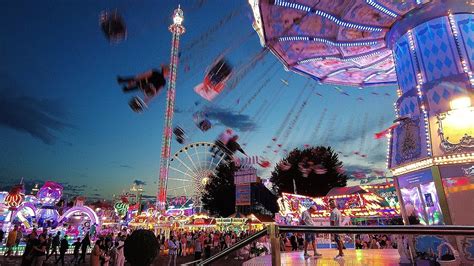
pixel 64 118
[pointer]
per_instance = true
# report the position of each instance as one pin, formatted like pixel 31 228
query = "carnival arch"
pixel 83 210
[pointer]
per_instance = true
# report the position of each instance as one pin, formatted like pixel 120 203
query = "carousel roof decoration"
pixel 333 41
pixel 358 201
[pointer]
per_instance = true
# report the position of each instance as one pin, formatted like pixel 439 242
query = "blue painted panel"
pixel 405 66
pixel 436 50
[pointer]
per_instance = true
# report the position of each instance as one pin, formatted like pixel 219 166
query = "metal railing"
pixel 194 262
pixel 389 229
pixel 274 230
pixel 242 243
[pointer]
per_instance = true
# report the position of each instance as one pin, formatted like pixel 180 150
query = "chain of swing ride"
pixel 244 70
pixel 284 139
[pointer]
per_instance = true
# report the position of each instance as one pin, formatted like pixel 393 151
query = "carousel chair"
pixel 137 104
pixel 179 134
pixel 113 26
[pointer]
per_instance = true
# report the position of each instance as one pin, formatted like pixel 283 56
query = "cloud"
pixel 68 189
pixel 41 118
pixel 230 118
pixel 139 182
pixel 73 190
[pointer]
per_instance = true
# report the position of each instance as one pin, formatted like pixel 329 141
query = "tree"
pixel 219 193
pixel 313 182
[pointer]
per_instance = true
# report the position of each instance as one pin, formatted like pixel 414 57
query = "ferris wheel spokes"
pixel 177 170
pixel 192 165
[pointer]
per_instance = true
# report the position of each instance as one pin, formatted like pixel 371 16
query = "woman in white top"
pixel 172 250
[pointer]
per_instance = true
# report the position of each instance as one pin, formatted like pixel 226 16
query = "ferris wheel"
pixel 189 171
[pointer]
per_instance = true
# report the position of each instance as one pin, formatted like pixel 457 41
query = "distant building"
pixel 251 196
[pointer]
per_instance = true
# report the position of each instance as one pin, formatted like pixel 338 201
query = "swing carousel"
pixel 424 47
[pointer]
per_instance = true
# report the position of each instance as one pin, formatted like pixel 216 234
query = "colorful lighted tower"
pixel 176 29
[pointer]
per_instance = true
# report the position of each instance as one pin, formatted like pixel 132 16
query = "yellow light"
pixel 459 103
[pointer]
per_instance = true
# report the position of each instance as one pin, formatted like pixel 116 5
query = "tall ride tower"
pixel 176 29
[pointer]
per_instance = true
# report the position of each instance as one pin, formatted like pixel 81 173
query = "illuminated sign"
pixel 242 195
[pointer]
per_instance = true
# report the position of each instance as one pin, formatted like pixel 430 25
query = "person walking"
pixel 335 220
pixel 77 247
pixel 309 237
pixel 19 238
pixel 197 248
pixel 294 244
pixel 183 245
pixel 120 257
pixel 64 246
pixel 172 250
pixel 39 251
pixel 95 254
pixel 86 242
pixel 31 241
pixel 54 246
pixel 49 239
pixel 207 247
pixel 11 241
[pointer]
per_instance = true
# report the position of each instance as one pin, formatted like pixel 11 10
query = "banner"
pixel 245 176
pixel 242 195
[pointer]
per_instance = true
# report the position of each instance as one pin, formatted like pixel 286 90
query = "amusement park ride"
pixel 176 29
pixel 426 47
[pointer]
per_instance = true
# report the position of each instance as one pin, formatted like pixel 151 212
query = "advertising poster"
pixel 242 195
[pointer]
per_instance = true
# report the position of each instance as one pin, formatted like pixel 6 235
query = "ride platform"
pixel 352 257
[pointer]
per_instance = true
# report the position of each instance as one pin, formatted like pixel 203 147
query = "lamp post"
pixel 176 29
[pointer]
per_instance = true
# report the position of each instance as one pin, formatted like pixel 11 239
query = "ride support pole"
pixel 275 244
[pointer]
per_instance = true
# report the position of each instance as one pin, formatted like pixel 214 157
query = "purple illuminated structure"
pixel 48 195
pixel 427 49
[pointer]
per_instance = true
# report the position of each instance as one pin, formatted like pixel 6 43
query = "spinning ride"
pixel 189 171
pixel 426 47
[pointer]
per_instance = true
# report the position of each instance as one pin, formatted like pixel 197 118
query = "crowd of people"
pixel 110 249
pixel 199 244
pixel 40 248
pixel 366 241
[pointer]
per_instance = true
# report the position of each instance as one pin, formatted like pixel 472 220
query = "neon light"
pixel 369 77
pixel 381 8
pixel 336 72
pixel 176 29
pixel 440 160
pixel 353 59
pixel 325 41
pixel 454 30
pixel 326 15
pixel 82 209
pixel 419 80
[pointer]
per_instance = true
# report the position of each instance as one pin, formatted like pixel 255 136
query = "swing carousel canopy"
pixel 345 42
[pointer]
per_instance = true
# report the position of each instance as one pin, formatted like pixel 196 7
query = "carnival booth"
pixel 364 203
pixel 257 222
pixel 200 222
pixel 143 221
pixel 236 222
